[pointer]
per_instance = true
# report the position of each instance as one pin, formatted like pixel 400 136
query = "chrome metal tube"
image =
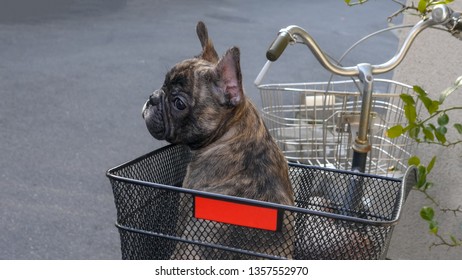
pixel 399 56
pixel 441 15
pixel 367 80
pixel 299 35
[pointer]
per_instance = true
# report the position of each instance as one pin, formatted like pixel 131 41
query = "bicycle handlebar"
pixel 278 46
pixel 441 14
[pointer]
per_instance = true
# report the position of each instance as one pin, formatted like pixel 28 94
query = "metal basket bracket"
pixel 348 122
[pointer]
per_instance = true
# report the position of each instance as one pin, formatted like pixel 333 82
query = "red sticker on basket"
pixel 236 213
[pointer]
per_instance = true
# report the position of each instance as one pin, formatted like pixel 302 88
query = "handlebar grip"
pixel 278 46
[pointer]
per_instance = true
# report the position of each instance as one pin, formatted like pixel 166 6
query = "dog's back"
pixel 245 162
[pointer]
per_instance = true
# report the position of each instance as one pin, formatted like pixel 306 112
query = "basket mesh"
pixel 338 215
pixel 315 123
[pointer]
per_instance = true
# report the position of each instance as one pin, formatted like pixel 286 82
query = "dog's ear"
pixel 208 51
pixel 229 71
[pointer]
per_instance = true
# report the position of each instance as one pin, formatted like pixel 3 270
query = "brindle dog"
pixel 202 105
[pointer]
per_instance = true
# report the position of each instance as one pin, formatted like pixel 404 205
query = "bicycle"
pixel 338 214
pixel 332 107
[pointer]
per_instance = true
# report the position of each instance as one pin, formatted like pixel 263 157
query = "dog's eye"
pixel 179 104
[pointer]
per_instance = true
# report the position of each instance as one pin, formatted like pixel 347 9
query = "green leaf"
pixel 410 113
pixel 442 129
pixel 421 176
pixel 395 131
pixel 414 160
pixel 432 126
pixel 439 133
pixel 414 131
pixel 422 7
pixel 433 107
pixel 348 2
pixel 457 84
pixel 433 227
pixel 426 101
pixel 427 213
pixel 407 98
pixel 428 134
pixel 443 119
pixel 458 126
pixel 419 91
pixel 431 164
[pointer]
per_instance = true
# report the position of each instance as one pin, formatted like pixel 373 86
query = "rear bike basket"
pixel 149 201
pixel 315 123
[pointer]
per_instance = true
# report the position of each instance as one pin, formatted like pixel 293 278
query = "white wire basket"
pixel 316 123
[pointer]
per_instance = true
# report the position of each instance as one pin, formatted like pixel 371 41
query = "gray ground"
pixel 73 78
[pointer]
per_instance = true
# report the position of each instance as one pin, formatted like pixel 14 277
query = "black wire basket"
pixel 337 215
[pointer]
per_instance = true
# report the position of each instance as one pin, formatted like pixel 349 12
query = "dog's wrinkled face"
pixel 198 94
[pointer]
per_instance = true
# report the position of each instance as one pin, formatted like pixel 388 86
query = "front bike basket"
pixel 150 203
pixel 315 123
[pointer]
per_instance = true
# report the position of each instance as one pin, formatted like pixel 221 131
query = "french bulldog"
pixel 202 104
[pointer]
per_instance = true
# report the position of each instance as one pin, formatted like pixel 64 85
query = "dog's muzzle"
pixel 153 100
pixel 154 114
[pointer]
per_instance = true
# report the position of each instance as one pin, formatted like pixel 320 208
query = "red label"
pixel 236 213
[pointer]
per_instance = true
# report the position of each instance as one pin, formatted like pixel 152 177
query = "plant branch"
pixel 439 112
pixel 449 144
pixel 429 197
pixel 402 10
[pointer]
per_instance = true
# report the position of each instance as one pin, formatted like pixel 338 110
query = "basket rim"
pixel 110 173
pixel 296 86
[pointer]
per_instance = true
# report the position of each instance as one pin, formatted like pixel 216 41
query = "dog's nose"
pixel 154 99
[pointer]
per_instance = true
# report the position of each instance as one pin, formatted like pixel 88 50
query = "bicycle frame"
pixel 441 14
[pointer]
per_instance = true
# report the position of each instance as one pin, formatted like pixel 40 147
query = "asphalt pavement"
pixel 75 74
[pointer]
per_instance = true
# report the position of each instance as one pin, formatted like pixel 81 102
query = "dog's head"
pixel 197 97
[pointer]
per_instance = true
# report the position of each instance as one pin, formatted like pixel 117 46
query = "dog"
pixel 202 104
